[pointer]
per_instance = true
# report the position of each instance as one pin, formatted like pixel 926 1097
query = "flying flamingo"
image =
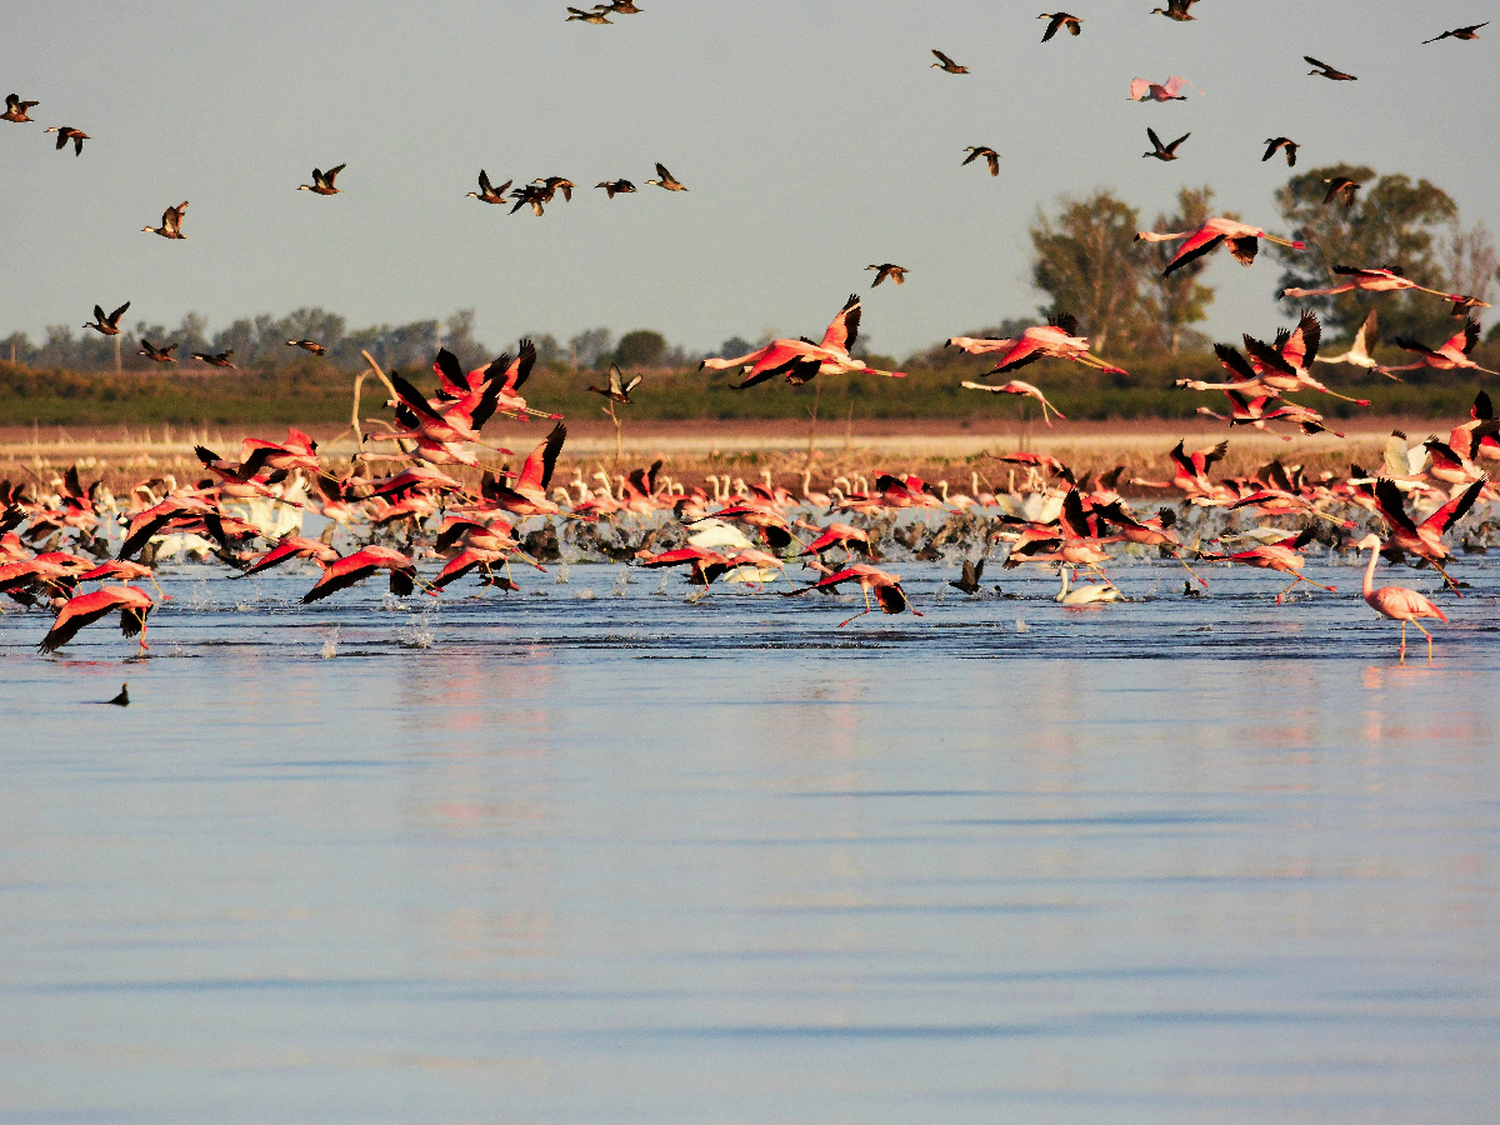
pixel 1396 602
pixel 1058 339
pixel 1424 539
pixel 1368 280
pixel 1453 354
pixel 361 565
pixel 133 603
pixel 1281 555
pixel 801 359
pixel 1242 240
pixel 1359 351
pixel 1017 387
pixel 887 588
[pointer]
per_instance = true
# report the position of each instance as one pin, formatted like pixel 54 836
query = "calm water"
pixel 623 859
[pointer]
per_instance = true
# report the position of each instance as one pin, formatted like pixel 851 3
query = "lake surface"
pixel 605 856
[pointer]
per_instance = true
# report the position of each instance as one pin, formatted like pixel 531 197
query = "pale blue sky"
pixel 813 135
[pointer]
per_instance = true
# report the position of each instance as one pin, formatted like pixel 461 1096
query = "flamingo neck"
pixel 1369 586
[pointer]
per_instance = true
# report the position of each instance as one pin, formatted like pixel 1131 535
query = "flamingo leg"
pixel 1189 569
pixel 1452 585
pixel 1403 642
pixel 867 609
pixel 1428 635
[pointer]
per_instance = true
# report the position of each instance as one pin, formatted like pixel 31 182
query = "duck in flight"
pixel 1470 32
pixel 596 16
pixel 667 180
pixel 1060 20
pixel 307 345
pixel 487 192
pixel 157 355
pixel 1161 151
pixel 323 182
pixel 613 188
pixel 15 108
pixel 1326 71
pixel 107 325
pixel 618 390
pixel 888 270
pixel 1176 10
pixel 990 155
pixel 171 222
pixel 945 63
pixel 66 133
pixel 219 359
pixel 1342 188
pixel 1291 147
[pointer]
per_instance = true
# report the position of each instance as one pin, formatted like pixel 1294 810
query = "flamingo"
pixel 800 360
pixel 291 547
pixel 887 589
pixel 1396 602
pixel 1242 240
pixel 1424 539
pixel 1452 354
pixel 1058 339
pixel 361 565
pixel 1359 351
pixel 107 325
pixel 132 602
pixel 1369 280
pixel 1017 387
pixel 171 222
pixel 1280 555
pixel 1142 90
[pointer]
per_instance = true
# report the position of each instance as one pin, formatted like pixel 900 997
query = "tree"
pixel 1086 262
pixel 1182 300
pixel 1394 224
pixel 641 348
pixel 459 339
pixel 589 347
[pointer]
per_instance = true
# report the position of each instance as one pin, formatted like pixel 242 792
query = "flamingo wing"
pixel 536 473
pixel 844 329
pixel 1200 242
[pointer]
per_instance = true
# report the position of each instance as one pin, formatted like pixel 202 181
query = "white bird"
pixel 1359 351
pixel 1086 595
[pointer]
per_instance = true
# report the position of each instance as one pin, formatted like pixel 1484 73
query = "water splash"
pixel 1021 626
pixel 330 647
pixel 417 633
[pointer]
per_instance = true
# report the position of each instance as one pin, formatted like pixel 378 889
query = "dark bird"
pixel 990 155
pixel 107 325
pixel 323 182
pixel 615 187
pixel 308 345
pixel 968 582
pixel 123 699
pixel 1059 21
pixel 618 390
pixel 487 192
pixel 1470 32
pixel 157 355
pixel 888 270
pixel 667 180
pixel 66 133
pixel 1176 10
pixel 1291 146
pixel 1326 71
pixel 171 222
pixel 1161 151
pixel 619 7
pixel 945 63
pixel 532 194
pixel 550 186
pixel 596 16
pixel 219 360
pixel 1341 186
pixel 15 108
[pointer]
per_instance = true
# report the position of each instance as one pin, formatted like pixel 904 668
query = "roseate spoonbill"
pixel 1343 189
pixel 1470 32
pixel 596 16
pixel 613 188
pixel 888 270
pixel 66 133
pixel 157 355
pixel 308 345
pixel 323 182
pixel 1424 539
pixel 1326 71
pixel 667 180
pixel 171 222
pixel 487 192
pixel 361 565
pixel 1176 10
pixel 1059 21
pixel 1452 354
pixel 992 158
pixel 1359 351
pixel 217 359
pixel 1017 387
pixel 133 603
pixel 945 63
pixel 1396 602
pixel 107 325
pixel 1242 239
pixel 887 588
pixel 618 390
pixel 1142 90
pixel 15 108
pixel 1291 147
pixel 1160 151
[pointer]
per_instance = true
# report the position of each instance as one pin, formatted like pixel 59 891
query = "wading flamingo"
pixel 1396 602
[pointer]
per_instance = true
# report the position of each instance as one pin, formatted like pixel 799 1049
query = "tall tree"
pixel 1394 223
pixel 1181 298
pixel 1086 262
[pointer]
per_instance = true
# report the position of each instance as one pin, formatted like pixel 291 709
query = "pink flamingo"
pixel 887 588
pixel 361 565
pixel 133 603
pixel 1017 387
pixel 1453 354
pixel 1396 602
pixel 1242 240
pixel 1368 280
pixel 796 358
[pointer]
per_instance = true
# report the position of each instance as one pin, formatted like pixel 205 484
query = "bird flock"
pixel 398 507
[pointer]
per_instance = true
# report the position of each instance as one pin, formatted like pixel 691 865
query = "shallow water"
pixel 604 856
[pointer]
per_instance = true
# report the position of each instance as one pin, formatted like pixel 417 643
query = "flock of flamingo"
pixel 56 535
